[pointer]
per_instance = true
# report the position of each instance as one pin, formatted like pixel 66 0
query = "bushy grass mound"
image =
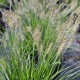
pixel 35 45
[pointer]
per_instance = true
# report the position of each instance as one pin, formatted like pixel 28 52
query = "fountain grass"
pixel 41 33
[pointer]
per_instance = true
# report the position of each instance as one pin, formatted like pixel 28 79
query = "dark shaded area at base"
pixel 71 62
pixel 69 72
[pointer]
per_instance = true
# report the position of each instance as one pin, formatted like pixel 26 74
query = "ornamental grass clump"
pixel 35 44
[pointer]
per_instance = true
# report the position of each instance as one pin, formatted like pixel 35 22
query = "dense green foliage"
pixel 35 52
